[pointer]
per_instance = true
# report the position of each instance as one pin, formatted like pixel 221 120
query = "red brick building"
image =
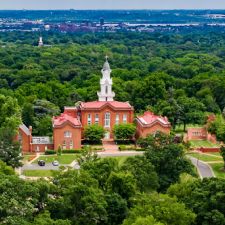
pixel 68 128
pixel 149 123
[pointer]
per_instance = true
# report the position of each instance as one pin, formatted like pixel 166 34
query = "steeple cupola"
pixel 106 93
pixel 40 43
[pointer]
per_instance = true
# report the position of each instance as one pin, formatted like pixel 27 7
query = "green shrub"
pixel 50 152
pixel 72 151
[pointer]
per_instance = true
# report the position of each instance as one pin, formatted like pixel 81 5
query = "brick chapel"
pixel 68 128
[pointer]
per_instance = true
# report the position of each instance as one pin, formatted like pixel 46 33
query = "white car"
pixel 55 163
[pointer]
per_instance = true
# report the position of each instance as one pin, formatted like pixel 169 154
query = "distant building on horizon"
pixel 40 42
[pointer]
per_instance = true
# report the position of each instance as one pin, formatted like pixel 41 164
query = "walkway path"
pixel 204 170
pixel 110 146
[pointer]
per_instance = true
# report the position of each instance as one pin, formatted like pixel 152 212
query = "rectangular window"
pixel 89 119
pixel 117 119
pixel 124 118
pixel 71 144
pixel 96 119
pixel 64 144
pixel 107 119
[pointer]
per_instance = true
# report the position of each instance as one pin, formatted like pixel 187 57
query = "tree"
pixel 122 183
pixel 124 131
pixel 10 114
pixel 162 208
pixel 192 111
pixel 77 198
pixel 117 209
pixel 10 151
pixel 18 200
pixel 222 153
pixel 143 171
pixel 146 220
pixel 100 169
pixel 205 197
pixel 45 219
pixel 94 133
pixel 167 158
pixel 217 127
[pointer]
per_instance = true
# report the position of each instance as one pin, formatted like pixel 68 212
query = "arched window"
pixel 67 134
pixel 107 119
pixel 106 89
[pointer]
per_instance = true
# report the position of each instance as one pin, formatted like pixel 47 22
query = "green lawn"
pixel 202 143
pixel 204 157
pixel 38 173
pixel 63 159
pixel 218 170
pixel 215 153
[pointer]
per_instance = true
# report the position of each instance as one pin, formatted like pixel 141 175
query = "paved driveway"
pixel 204 170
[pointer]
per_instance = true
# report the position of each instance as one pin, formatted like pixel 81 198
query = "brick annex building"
pixel 68 128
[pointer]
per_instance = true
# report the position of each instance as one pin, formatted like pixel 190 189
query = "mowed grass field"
pixel 202 143
pixel 205 157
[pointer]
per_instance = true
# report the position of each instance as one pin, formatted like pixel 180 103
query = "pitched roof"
pixel 149 118
pixel 64 118
pixel 100 104
pixel 25 129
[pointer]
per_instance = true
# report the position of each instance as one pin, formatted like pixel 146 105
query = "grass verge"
pixel 206 158
pixel 218 169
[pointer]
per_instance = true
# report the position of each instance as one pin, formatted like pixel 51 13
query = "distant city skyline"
pixel 111 4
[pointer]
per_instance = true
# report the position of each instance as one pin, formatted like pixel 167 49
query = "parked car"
pixel 41 162
pixel 55 163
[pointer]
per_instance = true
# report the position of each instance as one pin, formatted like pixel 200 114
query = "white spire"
pixel 40 43
pixel 106 93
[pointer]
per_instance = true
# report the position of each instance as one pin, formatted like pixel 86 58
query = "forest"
pixel 179 76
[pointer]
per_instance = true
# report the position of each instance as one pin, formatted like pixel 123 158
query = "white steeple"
pixel 40 43
pixel 106 93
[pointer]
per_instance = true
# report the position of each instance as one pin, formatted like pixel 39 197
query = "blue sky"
pixel 112 4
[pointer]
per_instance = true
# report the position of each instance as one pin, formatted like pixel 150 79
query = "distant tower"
pixel 102 21
pixel 40 43
pixel 106 93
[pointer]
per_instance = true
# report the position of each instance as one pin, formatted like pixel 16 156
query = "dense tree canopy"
pixel 192 65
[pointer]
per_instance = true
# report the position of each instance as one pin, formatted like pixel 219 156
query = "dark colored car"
pixel 41 162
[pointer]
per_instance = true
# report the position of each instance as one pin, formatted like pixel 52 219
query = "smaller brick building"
pixel 149 123
pixel 32 144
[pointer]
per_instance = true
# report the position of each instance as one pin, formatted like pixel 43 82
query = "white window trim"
pixel 124 118
pixel 117 119
pixel 96 118
pixel 89 119
pixel 107 120
pixel 67 134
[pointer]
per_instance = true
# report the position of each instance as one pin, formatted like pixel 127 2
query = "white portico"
pixel 106 93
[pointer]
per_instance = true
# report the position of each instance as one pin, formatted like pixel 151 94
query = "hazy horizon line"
pixel 184 9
